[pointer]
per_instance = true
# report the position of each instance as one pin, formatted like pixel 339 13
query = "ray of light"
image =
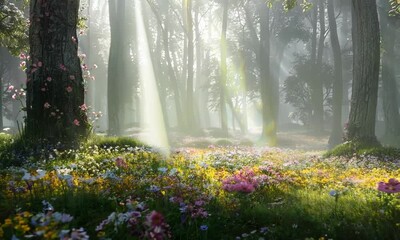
pixel 152 119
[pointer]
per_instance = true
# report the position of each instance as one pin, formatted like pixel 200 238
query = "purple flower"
pixel 392 186
pixel 203 227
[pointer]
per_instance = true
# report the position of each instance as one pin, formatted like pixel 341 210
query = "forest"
pixel 199 119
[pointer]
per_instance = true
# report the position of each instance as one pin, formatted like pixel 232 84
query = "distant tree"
pixel 336 132
pixel 55 88
pixel 298 90
pixel 13 26
pixel 389 86
pixel 366 56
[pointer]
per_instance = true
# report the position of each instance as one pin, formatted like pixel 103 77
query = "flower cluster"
pixel 150 226
pixel 392 186
pixel 245 181
pixel 45 225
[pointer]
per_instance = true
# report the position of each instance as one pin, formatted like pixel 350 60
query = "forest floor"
pixel 209 187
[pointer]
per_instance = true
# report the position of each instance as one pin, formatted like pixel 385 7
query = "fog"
pixel 208 72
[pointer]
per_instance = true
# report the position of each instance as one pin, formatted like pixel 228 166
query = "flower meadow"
pixel 121 190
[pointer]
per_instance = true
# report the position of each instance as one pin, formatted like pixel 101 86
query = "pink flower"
pixel 62 67
pixel 39 64
pixel 83 107
pixel 76 122
pixel 46 105
pixel 14 96
pixel 73 39
pixel 49 79
pixel 68 89
pixel 22 56
pixel 393 186
pixel 10 88
pixel 120 162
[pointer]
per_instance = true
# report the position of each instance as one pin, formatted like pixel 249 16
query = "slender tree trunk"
pixel 55 88
pixel 317 93
pixel 336 132
pixel 223 74
pixel 366 55
pixel 266 83
pixel 190 69
pixel 116 67
pixel 389 85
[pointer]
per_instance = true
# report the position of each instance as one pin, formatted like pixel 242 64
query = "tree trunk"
pixel 190 71
pixel 223 71
pixel 336 132
pixel 266 84
pixel 366 54
pixel 389 86
pixel 116 68
pixel 317 91
pixel 55 87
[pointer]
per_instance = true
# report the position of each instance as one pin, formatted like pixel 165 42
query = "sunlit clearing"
pixel 152 119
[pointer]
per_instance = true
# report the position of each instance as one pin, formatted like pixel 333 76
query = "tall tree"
pixel 223 70
pixel 55 88
pixel 389 85
pixel 366 56
pixel 190 67
pixel 116 67
pixel 336 132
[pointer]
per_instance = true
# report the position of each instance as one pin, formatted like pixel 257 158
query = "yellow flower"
pixel 7 222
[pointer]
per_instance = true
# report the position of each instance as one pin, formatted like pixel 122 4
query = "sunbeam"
pixel 152 119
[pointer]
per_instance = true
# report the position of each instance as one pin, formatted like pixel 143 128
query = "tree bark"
pixel 389 85
pixel 336 132
pixel 55 87
pixel 366 55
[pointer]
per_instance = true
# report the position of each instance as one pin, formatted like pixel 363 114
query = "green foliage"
pixel 13 28
pixel 298 91
pixel 357 149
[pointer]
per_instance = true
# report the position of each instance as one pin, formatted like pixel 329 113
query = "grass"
pixel 116 188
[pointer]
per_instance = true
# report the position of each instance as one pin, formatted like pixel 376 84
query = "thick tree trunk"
pixel 223 71
pixel 336 132
pixel 366 55
pixel 389 86
pixel 55 88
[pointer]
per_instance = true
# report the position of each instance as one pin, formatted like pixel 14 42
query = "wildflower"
pixel 76 122
pixel 49 79
pixel 83 107
pixel 392 186
pixel 333 193
pixel 10 88
pixel 68 89
pixel 46 105
pixel 154 188
pixel 203 227
pixel 120 162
